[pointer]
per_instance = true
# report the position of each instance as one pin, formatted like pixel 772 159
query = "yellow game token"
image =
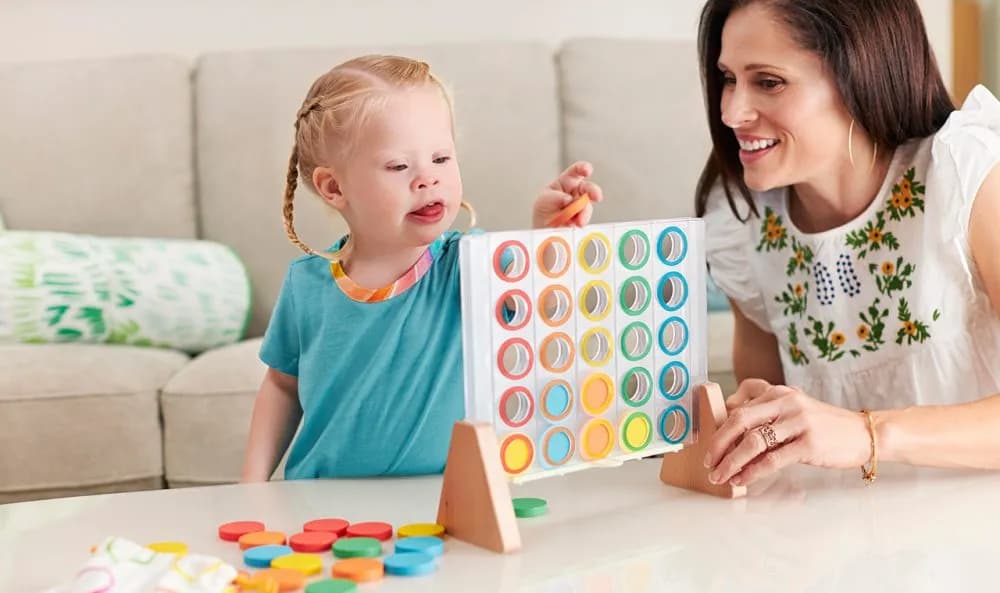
pixel 178 548
pixel 307 564
pixel 421 530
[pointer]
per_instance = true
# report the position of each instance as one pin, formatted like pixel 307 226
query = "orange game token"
pixel 376 529
pixel 312 541
pixel 261 538
pixel 334 526
pixel 232 532
pixel 359 570
pixel 569 211
pixel 288 579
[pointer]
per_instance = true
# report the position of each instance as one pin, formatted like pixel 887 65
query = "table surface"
pixel 608 530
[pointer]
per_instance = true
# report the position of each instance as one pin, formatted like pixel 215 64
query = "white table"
pixel 616 530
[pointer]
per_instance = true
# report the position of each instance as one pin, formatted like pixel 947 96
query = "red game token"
pixel 380 531
pixel 232 532
pixel 334 526
pixel 312 541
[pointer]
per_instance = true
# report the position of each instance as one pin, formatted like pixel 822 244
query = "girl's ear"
pixel 327 187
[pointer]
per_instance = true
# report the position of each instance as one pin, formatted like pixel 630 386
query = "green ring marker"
pixel 530 507
pixel 357 547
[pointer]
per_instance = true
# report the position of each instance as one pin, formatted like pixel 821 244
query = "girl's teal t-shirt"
pixel 380 384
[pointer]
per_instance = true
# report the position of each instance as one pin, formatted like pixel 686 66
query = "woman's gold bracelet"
pixel 871 472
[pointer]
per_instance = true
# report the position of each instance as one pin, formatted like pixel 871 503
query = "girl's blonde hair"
pixel 337 105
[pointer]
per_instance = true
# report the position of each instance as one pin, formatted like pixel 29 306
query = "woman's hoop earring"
pixel 472 214
pixel 850 143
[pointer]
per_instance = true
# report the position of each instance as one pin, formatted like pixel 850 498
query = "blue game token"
pixel 432 546
pixel 261 556
pixel 409 564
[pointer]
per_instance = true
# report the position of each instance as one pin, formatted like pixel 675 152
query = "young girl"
pixel 851 216
pixel 364 346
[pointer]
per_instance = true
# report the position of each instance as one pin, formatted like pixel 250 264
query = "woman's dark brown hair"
pixel 877 52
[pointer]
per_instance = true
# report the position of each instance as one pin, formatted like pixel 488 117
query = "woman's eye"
pixel 441 160
pixel 770 84
pixel 397 167
pixel 728 79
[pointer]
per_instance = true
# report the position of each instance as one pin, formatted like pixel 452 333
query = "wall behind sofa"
pixel 55 29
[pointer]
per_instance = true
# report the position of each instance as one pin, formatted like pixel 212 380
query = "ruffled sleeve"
pixel 969 144
pixel 728 249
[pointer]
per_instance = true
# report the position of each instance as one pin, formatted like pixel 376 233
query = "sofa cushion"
pixel 78 416
pixel 508 144
pixel 100 147
pixel 635 109
pixel 206 415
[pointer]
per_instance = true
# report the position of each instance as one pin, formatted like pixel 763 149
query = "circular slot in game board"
pixel 515 358
pixel 510 261
pixel 674 380
pixel 516 407
pixel 595 253
pixel 673 336
pixel 595 299
pixel 636 432
pixel 595 346
pixel 673 291
pixel 558 446
pixel 633 249
pixel 556 305
pixel 637 341
pixel 637 387
pixel 513 309
pixel 554 257
pixel 597 439
pixel 516 453
pixel 597 394
pixel 557 401
pixel 672 246
pixel 674 424
pixel 556 354
pixel 635 295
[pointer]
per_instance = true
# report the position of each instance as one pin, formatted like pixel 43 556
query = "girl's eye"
pixel 441 160
pixel 728 79
pixel 397 167
pixel 770 83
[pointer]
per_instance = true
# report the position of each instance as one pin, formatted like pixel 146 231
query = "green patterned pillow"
pixel 182 294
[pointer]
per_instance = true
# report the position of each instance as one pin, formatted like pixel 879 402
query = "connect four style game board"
pixel 581 344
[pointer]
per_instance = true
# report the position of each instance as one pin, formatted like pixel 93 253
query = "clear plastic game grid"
pixel 581 345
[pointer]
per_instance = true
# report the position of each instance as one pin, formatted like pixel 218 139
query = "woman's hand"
pixel 570 185
pixel 802 430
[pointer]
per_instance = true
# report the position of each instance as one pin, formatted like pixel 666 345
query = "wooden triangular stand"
pixel 475 504
pixel 686 468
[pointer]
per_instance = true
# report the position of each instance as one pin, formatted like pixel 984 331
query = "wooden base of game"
pixel 475 504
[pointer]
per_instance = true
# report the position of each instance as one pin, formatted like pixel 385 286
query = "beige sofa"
pixel 156 146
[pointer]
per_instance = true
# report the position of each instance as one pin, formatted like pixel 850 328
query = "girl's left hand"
pixel 571 184
pixel 804 430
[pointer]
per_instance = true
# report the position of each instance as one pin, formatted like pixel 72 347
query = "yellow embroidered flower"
pixel 904 186
pixel 905 201
pixel 864 331
pixel 910 328
pixel 772 220
pixel 875 236
pixel 796 353
pixel 800 256
pixel 838 339
pixel 799 290
pixel 775 233
pixel 888 268
pixel 897 200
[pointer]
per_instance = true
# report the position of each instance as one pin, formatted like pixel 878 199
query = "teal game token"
pixel 530 507
pixel 409 564
pixel 357 547
pixel 430 545
pixel 332 586
pixel 261 556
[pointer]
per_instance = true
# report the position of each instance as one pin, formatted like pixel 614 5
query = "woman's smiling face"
pixel 780 101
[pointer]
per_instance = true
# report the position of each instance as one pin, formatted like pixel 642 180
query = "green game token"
pixel 357 547
pixel 530 507
pixel 332 586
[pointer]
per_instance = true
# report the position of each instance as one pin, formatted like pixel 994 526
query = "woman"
pixel 849 212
